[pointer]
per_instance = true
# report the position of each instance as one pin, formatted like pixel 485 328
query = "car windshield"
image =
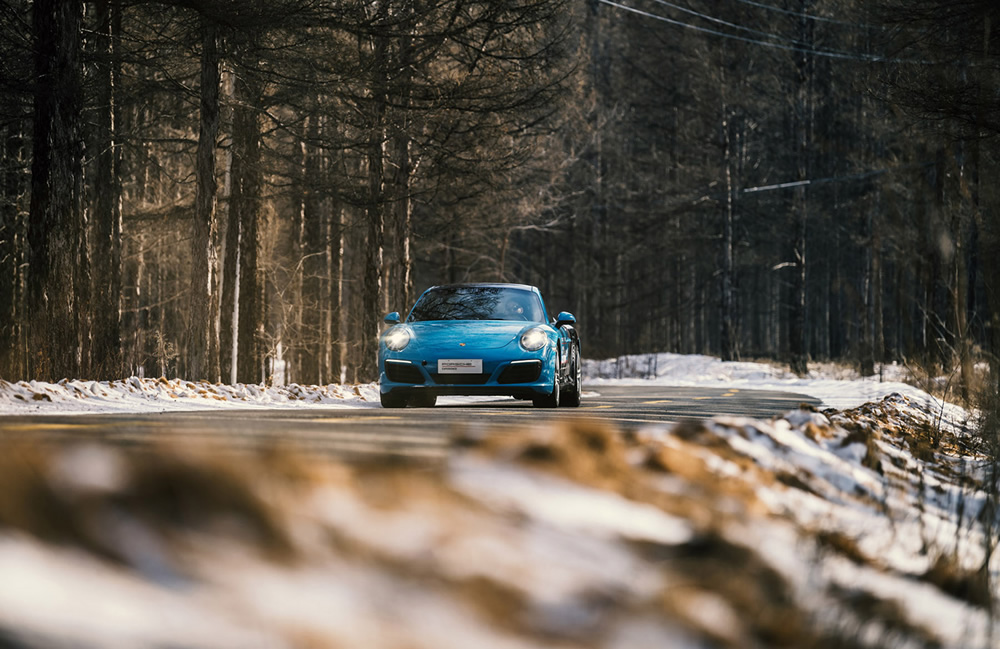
pixel 478 303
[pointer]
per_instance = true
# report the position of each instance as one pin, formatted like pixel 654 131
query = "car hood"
pixel 467 334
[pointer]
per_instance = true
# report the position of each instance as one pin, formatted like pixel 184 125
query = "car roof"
pixel 487 285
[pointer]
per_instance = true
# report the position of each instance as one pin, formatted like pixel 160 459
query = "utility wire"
pixel 799 14
pixel 833 54
pixel 725 23
pixel 719 21
pixel 817 181
pixel 705 30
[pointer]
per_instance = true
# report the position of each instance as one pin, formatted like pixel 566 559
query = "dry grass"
pixel 970 586
pixel 883 622
pixel 867 435
pixel 169 491
pixel 760 596
pixel 843 545
pixel 587 451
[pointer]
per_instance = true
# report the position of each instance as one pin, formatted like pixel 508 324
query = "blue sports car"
pixel 481 339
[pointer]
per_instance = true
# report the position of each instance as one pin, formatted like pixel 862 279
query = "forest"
pixel 216 189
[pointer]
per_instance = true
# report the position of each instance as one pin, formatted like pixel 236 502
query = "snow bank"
pixel 836 386
pixel 162 395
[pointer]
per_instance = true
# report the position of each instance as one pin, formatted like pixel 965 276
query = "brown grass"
pixel 867 435
pixel 888 616
pixel 843 545
pixel 790 479
pixel 760 596
pixel 970 586
pixel 165 489
pixel 30 502
pixel 586 451
pixel 173 490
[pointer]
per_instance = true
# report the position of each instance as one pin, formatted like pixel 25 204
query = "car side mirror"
pixel 392 318
pixel 565 318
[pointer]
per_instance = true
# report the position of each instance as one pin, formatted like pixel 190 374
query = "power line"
pixel 750 30
pixel 705 30
pixel 719 21
pixel 833 54
pixel 831 179
pixel 799 14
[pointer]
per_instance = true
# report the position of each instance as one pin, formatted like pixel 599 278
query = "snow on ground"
pixel 834 385
pixel 866 525
pixel 133 395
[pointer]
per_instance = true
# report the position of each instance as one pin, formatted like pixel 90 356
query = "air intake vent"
pixel 400 372
pixel 521 372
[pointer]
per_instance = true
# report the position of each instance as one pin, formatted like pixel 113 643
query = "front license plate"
pixel 460 366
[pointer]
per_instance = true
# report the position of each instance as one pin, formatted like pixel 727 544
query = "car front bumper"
pixel 527 375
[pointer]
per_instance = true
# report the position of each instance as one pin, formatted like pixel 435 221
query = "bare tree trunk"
pixel 798 351
pixel 107 205
pixel 727 334
pixel 403 221
pixel 336 253
pixel 402 202
pixel 203 334
pixel 866 335
pixel 12 250
pixel 960 303
pixel 133 323
pixel 229 307
pixel 56 211
pixel 878 288
pixel 375 214
pixel 312 255
pixel 230 293
pixel 245 203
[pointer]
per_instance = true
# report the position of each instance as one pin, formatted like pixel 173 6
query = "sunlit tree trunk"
pixel 229 302
pixel 403 170
pixel 245 206
pixel 375 212
pixel 337 330
pixel 203 334
pixel 313 251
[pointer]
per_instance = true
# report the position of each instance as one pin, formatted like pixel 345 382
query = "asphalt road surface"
pixel 412 432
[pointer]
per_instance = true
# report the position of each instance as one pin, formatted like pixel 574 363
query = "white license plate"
pixel 460 366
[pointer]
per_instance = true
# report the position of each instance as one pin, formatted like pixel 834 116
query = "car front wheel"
pixel 571 396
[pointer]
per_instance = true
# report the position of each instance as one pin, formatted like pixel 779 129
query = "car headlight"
pixel 534 339
pixel 397 339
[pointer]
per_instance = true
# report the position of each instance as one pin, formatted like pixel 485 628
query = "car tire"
pixel 390 400
pixel 570 398
pixel 423 400
pixel 550 400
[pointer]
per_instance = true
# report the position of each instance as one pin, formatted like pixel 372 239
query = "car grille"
pixel 518 372
pixel 403 372
pixel 460 379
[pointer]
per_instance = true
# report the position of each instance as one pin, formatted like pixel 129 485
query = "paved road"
pixel 413 432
